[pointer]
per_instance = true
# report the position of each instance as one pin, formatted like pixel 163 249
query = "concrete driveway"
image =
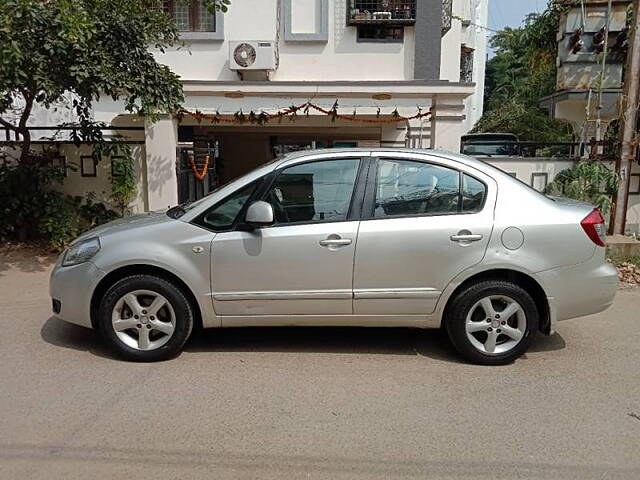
pixel 313 403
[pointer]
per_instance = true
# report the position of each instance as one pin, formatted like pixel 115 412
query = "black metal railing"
pixel 384 12
pixel 600 150
pixel 67 134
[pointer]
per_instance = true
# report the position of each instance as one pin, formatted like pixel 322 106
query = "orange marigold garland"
pixel 200 175
pixel 292 112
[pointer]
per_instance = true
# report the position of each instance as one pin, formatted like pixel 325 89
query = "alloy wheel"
pixel 143 320
pixel 495 324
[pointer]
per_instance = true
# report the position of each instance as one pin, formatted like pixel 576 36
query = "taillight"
pixel 593 225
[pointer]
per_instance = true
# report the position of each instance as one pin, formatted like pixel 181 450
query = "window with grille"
pixel 466 65
pixel 447 15
pixel 191 15
pixel 381 12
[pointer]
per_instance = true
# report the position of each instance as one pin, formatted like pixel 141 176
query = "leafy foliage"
pixel 526 121
pixel 30 208
pixel 592 182
pixel 90 48
pixel 212 5
pixel 522 71
pixel 123 183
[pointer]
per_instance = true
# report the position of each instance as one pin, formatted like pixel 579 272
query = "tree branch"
pixel 29 98
pixel 22 125
pixel 8 125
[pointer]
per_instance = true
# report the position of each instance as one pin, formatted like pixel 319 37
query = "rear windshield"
pixel 490 149
pixel 515 179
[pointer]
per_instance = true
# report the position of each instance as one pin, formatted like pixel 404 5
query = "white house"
pixel 399 72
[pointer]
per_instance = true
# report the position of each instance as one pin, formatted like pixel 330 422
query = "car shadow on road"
pixel 63 334
pixel 433 344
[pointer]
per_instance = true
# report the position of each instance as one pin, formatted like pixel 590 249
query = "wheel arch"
pixel 141 269
pixel 528 283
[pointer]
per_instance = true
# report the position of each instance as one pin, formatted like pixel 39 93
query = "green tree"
pixel 522 71
pixel 89 48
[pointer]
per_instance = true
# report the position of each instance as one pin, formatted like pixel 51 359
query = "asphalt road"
pixel 313 403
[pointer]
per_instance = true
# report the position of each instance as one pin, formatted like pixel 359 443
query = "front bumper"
pixel 578 290
pixel 72 287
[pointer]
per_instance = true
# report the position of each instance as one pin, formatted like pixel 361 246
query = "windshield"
pixel 186 206
pixel 489 149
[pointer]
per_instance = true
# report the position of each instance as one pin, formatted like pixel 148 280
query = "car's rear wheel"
pixel 492 322
pixel 145 318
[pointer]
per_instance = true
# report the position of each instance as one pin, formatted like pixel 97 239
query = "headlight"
pixel 81 252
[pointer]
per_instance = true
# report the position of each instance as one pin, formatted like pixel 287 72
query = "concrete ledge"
pixel 623 245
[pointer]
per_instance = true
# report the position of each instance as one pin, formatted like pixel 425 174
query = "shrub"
pixel 31 209
pixel 592 182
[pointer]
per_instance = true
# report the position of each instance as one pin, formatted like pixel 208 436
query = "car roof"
pixel 464 159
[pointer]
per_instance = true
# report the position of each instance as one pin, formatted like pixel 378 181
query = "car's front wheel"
pixel 145 318
pixel 492 322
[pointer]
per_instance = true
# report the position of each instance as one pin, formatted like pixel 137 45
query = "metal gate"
pixel 191 188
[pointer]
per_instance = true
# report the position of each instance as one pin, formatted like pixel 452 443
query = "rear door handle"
pixel 465 237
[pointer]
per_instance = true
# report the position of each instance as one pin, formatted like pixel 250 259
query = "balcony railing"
pixel 381 12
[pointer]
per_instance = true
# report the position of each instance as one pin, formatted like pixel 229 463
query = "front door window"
pixel 314 192
pixel 223 215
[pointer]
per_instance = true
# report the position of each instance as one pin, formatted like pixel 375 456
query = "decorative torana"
pixel 292 112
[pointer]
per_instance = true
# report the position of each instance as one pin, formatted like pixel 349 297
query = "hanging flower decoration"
pixel 200 175
pixel 292 112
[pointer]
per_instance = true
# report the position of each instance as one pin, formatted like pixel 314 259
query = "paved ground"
pixel 313 403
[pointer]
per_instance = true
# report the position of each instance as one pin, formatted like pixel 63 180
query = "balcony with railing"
pixel 381 12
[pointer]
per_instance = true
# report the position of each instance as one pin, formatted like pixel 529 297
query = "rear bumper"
pixel 578 290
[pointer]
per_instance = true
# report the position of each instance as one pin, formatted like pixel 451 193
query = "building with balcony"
pixel 592 45
pixel 387 73
pixel 592 49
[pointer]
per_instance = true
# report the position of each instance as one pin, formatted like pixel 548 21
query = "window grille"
pixel 447 15
pixel 466 65
pixel 191 15
pixel 385 12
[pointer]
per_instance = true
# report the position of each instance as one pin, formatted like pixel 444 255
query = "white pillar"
pixel 393 135
pixel 159 180
pixel 447 123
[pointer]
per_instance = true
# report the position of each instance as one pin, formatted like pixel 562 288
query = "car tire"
pixel 144 318
pixel 492 322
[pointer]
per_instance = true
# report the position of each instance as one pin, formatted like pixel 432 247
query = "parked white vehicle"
pixel 354 237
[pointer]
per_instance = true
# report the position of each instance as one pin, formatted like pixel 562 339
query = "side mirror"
pixel 259 214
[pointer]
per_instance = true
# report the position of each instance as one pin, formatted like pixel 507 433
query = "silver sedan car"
pixel 349 237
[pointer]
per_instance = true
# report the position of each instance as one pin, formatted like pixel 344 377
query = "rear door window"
pixel 405 187
pixel 473 194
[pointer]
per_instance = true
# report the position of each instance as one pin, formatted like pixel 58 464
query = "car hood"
pixel 127 223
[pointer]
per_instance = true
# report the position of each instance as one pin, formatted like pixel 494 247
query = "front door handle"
pixel 335 241
pixel 465 236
